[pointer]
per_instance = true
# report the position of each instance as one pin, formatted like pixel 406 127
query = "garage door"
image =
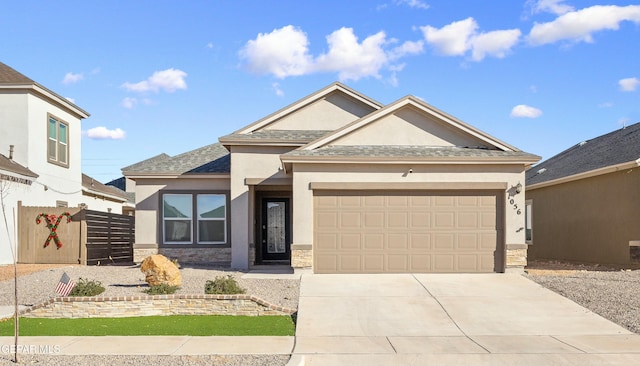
pixel 396 232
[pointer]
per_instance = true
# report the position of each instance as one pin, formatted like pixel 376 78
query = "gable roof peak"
pixel 305 101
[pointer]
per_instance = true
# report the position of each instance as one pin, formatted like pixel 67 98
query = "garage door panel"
pixel 396 220
pixel 326 242
pixel 420 241
pixel 373 241
pixel 350 220
pixel 372 232
pixel 420 263
pixel 373 263
pixel 444 220
pixel 326 220
pixel 349 263
pixel 373 220
pixel 350 241
pixel 443 242
pixel 398 263
pixel 398 240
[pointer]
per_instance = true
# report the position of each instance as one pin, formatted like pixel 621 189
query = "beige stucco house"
pixel 583 204
pixel 343 184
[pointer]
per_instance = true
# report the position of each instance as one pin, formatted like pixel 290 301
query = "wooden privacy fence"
pixel 92 237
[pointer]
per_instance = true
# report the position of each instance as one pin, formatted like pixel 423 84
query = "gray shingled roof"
pixel 11 166
pixel 294 136
pixel 614 148
pixel 426 152
pixel 11 76
pixel 151 161
pixel 212 158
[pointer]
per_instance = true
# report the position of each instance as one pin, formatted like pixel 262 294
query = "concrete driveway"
pixel 461 319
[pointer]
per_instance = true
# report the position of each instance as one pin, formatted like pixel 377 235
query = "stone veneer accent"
pixel 301 256
pixel 516 256
pixel 140 254
pixel 127 306
pixel 198 255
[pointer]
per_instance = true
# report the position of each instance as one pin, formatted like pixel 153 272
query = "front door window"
pixel 275 228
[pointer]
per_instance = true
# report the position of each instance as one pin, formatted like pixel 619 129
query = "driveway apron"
pixel 405 319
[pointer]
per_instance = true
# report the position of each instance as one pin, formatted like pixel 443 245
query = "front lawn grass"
pixel 191 325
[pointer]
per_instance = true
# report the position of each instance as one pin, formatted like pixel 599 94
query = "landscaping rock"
pixel 158 269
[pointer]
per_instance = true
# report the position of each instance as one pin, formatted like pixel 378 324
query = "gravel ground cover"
pixel 37 287
pixel 218 360
pixel 607 291
pixel 36 284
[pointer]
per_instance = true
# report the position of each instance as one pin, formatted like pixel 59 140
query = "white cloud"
pixel 460 37
pixel 283 52
pixel 629 84
pixel 277 89
pixel 418 4
pixel 71 78
pixel 579 25
pixel 605 105
pixel 103 133
pixel 452 39
pixel 353 60
pixel 496 43
pixel 168 80
pixel 550 6
pixel 129 103
pixel 525 111
pixel 72 100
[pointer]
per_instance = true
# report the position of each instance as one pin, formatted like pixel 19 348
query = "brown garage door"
pixel 395 232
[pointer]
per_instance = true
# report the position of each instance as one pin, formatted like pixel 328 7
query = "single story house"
pixel 583 204
pixel 343 184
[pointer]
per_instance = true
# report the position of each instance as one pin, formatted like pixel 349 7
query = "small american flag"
pixel 65 285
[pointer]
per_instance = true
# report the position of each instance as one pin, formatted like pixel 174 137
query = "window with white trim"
pixel 528 221
pixel 57 141
pixel 194 218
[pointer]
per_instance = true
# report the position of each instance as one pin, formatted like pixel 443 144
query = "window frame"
pixel 195 220
pixel 57 142
pixel 528 221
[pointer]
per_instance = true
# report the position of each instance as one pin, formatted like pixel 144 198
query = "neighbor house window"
pixel 528 227
pixel 194 218
pixel 58 141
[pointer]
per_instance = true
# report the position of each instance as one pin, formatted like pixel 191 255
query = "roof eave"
pixel 587 174
pixel 104 194
pixel 142 175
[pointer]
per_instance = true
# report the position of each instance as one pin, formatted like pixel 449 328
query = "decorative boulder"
pixel 158 269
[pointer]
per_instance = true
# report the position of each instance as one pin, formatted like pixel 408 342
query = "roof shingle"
pixel 212 158
pixel 614 148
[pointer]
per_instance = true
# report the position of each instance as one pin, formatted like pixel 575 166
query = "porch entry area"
pixel 273 227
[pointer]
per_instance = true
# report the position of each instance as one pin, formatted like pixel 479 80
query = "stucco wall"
pixel 148 201
pixel 589 220
pixel 248 162
pixel 305 174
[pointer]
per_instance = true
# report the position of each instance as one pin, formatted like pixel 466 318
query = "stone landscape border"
pixel 128 306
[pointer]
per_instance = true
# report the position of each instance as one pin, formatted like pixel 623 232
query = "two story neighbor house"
pixel 343 184
pixel 40 153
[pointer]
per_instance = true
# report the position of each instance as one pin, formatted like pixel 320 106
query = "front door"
pixel 275 229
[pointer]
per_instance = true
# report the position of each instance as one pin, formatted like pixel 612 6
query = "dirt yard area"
pixel 7 272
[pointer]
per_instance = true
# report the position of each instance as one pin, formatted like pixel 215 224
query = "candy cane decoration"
pixel 52 224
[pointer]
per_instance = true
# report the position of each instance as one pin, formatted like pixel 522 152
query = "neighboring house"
pixel 584 203
pixel 40 162
pixel 340 183
pixel 101 197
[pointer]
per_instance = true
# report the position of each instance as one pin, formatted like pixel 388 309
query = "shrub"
pixel 85 287
pixel 161 289
pixel 223 285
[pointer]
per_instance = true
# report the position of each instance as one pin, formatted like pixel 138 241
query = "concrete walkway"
pixel 476 319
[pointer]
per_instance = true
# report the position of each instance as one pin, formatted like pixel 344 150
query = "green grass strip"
pixel 191 325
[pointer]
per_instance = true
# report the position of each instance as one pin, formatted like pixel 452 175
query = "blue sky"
pixel 170 76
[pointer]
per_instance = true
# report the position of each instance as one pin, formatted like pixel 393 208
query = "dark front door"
pixel 275 229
